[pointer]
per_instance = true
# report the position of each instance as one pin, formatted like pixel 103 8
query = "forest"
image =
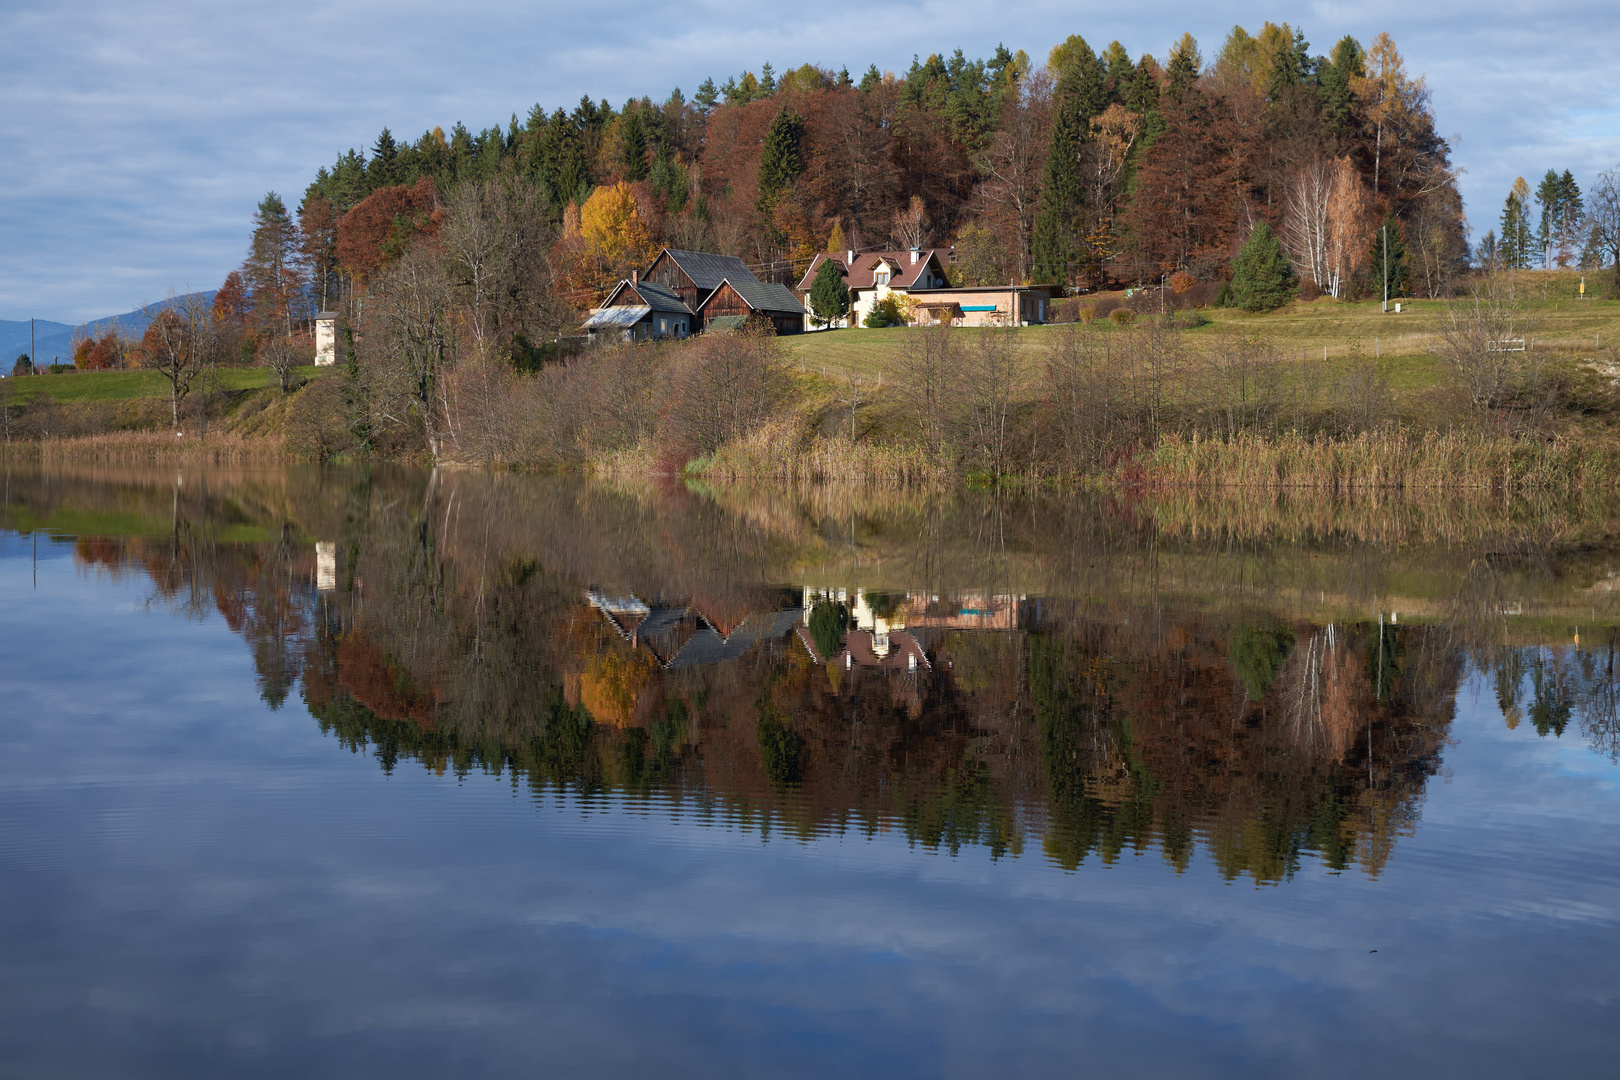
pixel 1092 168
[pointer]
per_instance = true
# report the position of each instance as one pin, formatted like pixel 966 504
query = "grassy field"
pixel 128 385
pixel 1339 331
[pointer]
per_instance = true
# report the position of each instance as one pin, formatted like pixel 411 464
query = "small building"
pixel 989 305
pixel 737 303
pixel 640 310
pixel 325 338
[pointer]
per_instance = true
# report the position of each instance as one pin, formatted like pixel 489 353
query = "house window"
pixel 882 277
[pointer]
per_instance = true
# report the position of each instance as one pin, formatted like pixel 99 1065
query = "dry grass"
pixel 1384 460
pixel 159 446
pixel 780 451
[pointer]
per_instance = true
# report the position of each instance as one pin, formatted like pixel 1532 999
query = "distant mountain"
pixel 54 340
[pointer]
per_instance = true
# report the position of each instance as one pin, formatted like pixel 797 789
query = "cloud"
pixel 140 135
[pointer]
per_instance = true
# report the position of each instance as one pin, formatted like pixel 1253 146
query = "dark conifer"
pixel 829 296
pixel 1262 277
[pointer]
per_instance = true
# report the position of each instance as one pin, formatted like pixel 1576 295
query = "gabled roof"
pixel 622 316
pixel 657 297
pixel 762 296
pixel 707 271
pixel 859 274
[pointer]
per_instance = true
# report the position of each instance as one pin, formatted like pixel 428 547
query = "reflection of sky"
pixel 195 886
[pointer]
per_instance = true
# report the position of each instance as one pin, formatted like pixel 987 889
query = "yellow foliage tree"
pixel 617 236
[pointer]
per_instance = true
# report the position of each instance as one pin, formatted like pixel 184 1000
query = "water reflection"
pixel 1078 677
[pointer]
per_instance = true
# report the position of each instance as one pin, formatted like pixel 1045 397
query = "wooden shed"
pixel 755 301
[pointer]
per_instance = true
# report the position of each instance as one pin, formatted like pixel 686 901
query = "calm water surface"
pixel 374 773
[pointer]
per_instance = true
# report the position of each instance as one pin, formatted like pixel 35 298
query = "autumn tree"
pixel 383 226
pixel 179 343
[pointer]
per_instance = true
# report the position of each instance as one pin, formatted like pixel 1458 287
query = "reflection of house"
pixel 682 636
pixel 637 310
pixel 882 612
pixel 897 649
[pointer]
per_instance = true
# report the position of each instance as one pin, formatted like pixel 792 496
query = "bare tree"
pixel 282 356
pixel 1603 218
pixel 911 224
pixel 925 389
pixel 1484 341
pixel 412 345
pixel 992 382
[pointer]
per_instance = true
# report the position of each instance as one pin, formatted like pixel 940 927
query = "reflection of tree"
pixel 457 636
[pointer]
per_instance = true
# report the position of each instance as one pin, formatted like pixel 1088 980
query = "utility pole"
pixel 33 357
pixel 1386 269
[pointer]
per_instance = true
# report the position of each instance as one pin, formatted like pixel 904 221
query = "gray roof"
pixel 658 297
pixel 621 317
pixel 708 271
pixel 767 296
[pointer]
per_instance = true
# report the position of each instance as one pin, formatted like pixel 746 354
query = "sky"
pixel 140 135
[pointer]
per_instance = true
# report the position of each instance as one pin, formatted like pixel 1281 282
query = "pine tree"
pixel 1517 239
pixel 706 97
pixel 1550 196
pixel 1390 230
pixel 871 79
pixel 1079 97
pixel 270 269
pixel 779 161
pixel 1571 212
pixel 1336 81
pixel 633 142
pixel 381 171
pixel 1185 63
pixel 1262 277
pixel 829 297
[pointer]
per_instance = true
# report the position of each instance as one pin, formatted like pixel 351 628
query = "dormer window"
pixel 882 277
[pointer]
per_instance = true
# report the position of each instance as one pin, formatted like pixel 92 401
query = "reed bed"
pixel 1382 460
pixel 161 446
pixel 780 452
pixel 1385 517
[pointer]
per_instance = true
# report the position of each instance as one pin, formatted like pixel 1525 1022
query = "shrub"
pixel 1181 281
pixel 1122 316
pixel 1088 313
pixel 885 312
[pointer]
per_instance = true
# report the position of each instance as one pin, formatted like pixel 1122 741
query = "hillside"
pixel 53 341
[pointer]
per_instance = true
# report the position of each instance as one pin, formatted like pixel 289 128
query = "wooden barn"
pixel 737 303
pixel 694 275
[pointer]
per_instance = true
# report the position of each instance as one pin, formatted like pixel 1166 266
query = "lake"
pixel 377 772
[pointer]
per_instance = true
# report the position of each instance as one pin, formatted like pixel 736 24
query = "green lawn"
pixel 1405 343
pixel 128 385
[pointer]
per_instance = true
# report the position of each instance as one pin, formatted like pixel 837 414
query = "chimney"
pixel 849 258
pixel 635 277
pixel 916 253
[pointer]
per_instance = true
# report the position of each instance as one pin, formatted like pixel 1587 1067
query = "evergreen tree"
pixel 1517 239
pixel 633 141
pixel 767 80
pixel 1262 277
pixel 1488 254
pixel 779 162
pixel 1185 65
pixel 707 97
pixel 381 172
pixel 829 297
pixel 843 78
pixel 270 269
pixel 1571 212
pixel 1336 81
pixel 1391 229
pixel 1080 96
pixel 1550 197
pixel 871 79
